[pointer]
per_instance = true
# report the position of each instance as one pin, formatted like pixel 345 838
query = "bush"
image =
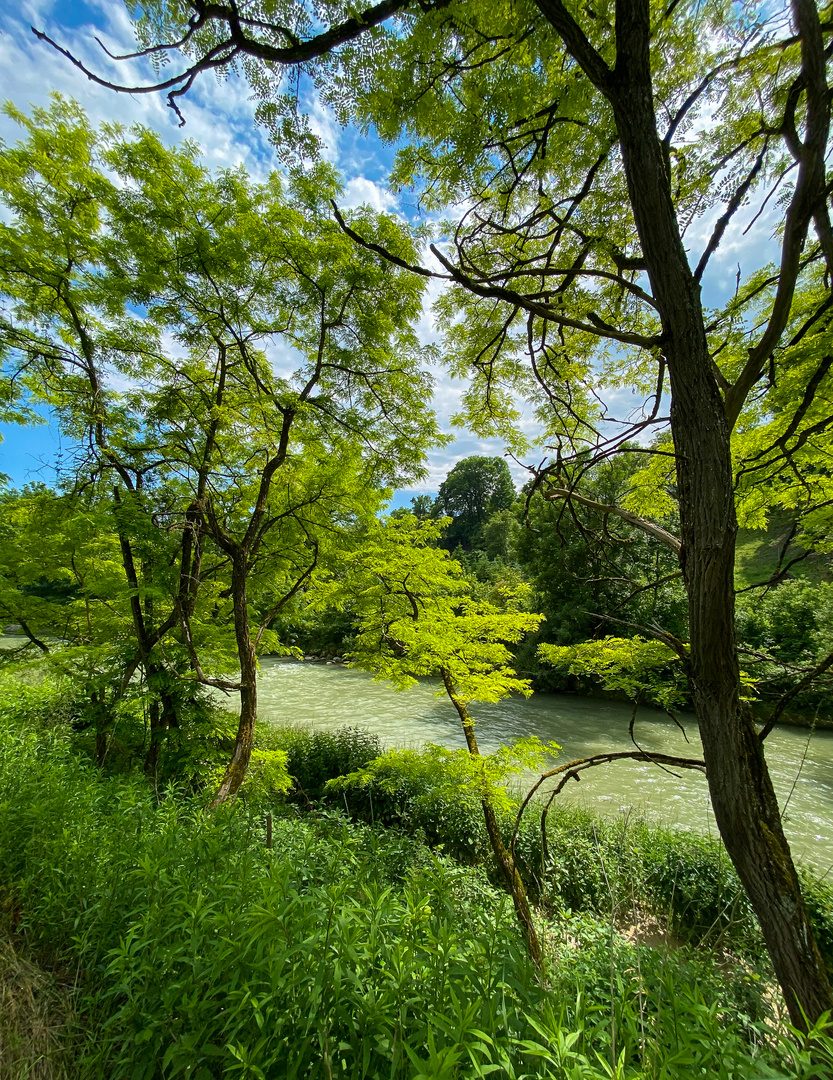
pixel 201 743
pixel 428 791
pixel 593 865
pixel 36 703
pixel 346 950
pixel 316 757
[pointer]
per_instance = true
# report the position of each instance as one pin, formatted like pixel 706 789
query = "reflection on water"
pixel 329 696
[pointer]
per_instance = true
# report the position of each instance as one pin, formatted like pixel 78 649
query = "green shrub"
pixel 36 703
pixel 315 757
pixel 431 791
pixel 692 881
pixel 201 742
pixel 818 895
pixel 592 864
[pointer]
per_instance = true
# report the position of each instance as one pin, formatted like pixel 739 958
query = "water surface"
pixel 331 696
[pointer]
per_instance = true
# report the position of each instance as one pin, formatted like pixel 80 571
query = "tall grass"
pixel 347 950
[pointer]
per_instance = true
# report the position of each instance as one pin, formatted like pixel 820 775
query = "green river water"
pixel 331 696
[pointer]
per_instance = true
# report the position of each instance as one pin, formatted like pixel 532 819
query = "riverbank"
pixel 328 696
pixel 369 939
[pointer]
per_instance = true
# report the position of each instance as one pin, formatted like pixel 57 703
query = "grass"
pixel 756 556
pixel 352 948
pixel 36 1017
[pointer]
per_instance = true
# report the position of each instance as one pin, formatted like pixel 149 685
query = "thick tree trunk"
pixel 504 857
pixel 741 791
pixel 239 763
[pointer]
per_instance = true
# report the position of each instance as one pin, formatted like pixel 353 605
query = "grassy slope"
pixel 757 556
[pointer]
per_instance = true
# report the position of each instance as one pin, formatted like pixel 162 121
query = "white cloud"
pixel 220 118
pixel 360 192
pixel 322 122
pixel 219 115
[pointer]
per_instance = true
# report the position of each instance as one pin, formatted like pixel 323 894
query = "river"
pixel 331 696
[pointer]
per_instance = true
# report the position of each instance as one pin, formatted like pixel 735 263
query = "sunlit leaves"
pixel 639 668
pixel 417 615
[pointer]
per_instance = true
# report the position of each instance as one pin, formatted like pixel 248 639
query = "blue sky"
pixel 220 117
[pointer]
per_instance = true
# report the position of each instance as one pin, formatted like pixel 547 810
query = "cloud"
pixel 360 192
pixel 322 122
pixel 439 463
pixel 219 114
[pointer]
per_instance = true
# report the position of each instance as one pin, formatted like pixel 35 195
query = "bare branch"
pixel 656 531
pixel 825 665
pixel 238 43
pixel 573 769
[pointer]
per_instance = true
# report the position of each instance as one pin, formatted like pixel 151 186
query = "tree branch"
pixel 656 531
pixel 809 195
pixel 588 59
pixel 573 769
pixel 825 665
pixel 237 43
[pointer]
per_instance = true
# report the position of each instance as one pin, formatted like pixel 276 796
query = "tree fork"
pixel 741 790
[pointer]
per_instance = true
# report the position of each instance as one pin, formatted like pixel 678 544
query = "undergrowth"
pixel 176 944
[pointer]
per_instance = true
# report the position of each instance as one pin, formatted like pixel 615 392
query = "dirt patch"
pixel 648 930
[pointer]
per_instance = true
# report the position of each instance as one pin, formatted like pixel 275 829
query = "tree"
pixel 300 449
pixel 31 591
pixel 476 488
pixel 589 569
pixel 417 616
pixel 583 145
pixel 63 580
pixel 227 464
pixel 422 506
pixel 65 335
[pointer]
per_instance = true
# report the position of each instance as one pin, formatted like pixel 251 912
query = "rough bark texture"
pixel 236 769
pixel 504 857
pixel 741 791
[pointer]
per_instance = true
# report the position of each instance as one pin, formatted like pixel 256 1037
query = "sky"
pixel 220 117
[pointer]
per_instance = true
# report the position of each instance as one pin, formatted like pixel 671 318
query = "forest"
pixel 235 367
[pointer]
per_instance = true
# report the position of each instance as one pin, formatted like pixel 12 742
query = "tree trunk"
pixel 163 717
pixel 155 744
pixel 741 791
pixel 239 763
pixel 44 648
pixel 504 857
pixel 101 725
